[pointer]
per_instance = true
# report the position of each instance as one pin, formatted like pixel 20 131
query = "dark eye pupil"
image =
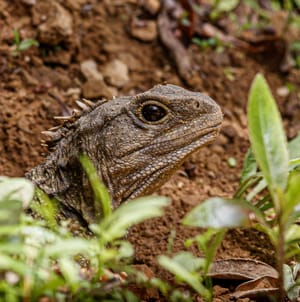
pixel 153 113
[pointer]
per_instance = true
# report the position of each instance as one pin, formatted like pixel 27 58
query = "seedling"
pixel 22 45
pixel 193 270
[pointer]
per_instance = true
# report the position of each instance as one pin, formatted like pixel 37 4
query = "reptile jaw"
pixel 151 181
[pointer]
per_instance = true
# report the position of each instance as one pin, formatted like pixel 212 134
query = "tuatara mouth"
pixel 151 180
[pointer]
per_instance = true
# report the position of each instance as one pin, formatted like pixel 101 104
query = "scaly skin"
pixel 135 143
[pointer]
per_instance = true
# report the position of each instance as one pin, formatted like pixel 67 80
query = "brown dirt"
pixel 100 31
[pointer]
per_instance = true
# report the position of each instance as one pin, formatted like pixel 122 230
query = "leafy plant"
pixel 40 258
pixel 295 51
pixel 269 187
pixel 208 43
pixel 279 174
pixel 22 45
pixel 193 270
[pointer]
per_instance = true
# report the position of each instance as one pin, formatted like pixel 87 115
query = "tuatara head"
pixel 135 143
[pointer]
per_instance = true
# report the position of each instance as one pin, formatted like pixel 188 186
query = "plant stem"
pixel 281 257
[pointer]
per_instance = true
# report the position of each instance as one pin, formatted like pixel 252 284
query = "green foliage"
pixel 193 270
pixel 11 192
pixel 186 268
pixel 128 214
pixel 294 147
pixel 269 189
pixel 217 213
pixel 22 45
pixel 39 258
pixel 287 4
pixel 207 43
pixel 219 7
pixel 102 199
pixel 268 141
pixel 295 48
pixel 269 186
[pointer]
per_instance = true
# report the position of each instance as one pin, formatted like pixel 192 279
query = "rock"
pixel 283 91
pixel 144 30
pixel 217 149
pixel 58 25
pixel 116 73
pixel 73 92
pixel 222 140
pixel 29 2
pixel 152 6
pixel 132 61
pixel 75 4
pixel 93 89
pixel 90 70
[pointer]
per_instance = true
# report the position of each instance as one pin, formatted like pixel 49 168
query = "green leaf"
pixel 293 235
pixel 17 37
pixel 217 213
pixel 37 236
pixel 294 147
pixel 70 247
pixel 102 197
pixel 226 6
pixel 292 195
pixel 261 185
pixel 189 261
pixel 246 184
pixel 130 296
pixel 294 164
pixel 27 43
pixel 289 284
pixel 267 136
pixel 125 250
pixel 183 274
pixel 19 189
pixel 9 263
pixel 70 271
pixel 12 249
pixel 130 213
pixel 10 212
pixel 107 256
pixel 8 230
pixel 249 166
pixel 15 193
pixel 46 208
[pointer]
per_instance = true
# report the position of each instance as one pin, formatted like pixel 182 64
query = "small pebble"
pixel 283 91
pixel 231 162
pixel 116 73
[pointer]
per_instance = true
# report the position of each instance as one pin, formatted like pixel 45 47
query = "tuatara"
pixel 135 143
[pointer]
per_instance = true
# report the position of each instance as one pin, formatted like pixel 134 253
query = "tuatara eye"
pixel 153 112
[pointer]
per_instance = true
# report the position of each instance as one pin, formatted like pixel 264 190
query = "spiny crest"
pixel 55 134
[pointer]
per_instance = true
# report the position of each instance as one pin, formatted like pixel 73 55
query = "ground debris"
pixel 257 277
